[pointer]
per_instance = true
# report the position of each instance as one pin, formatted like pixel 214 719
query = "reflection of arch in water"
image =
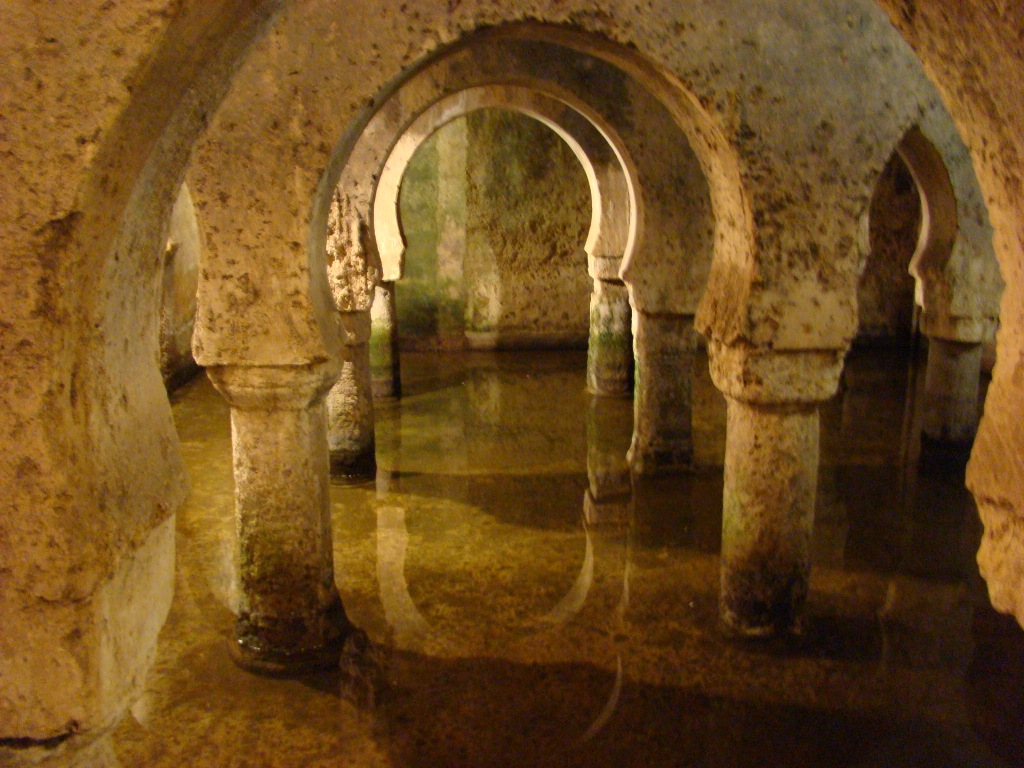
pixel 400 611
pixel 409 625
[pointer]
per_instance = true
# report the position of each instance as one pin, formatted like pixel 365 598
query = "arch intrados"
pixel 589 143
pixel 938 208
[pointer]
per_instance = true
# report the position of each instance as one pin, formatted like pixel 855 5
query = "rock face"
pixel 978 74
pixel 789 112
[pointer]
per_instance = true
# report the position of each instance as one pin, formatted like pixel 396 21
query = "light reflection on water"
pixel 541 607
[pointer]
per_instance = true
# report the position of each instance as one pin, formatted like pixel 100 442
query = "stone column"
pixel 952 380
pixel 664 349
pixel 771 470
pixel 350 432
pixel 289 615
pixel 384 365
pixel 610 350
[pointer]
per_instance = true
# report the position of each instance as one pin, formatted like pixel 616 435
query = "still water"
pixel 532 606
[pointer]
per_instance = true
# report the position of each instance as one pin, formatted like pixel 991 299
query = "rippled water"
pixel 534 607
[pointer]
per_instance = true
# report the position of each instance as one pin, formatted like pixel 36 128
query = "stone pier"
pixel 384 361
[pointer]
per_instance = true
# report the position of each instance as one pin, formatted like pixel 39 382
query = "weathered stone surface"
pixel 771 472
pixel 610 349
pixel 178 291
pixel 350 434
pixel 95 155
pixel 289 613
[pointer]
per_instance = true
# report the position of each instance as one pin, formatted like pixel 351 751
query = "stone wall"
pixel 511 226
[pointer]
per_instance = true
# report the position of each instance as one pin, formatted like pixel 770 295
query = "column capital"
pixel 961 329
pixel 356 326
pixel 604 266
pixel 274 387
pixel 771 377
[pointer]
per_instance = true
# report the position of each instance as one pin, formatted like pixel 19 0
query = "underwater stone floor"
pixel 520 623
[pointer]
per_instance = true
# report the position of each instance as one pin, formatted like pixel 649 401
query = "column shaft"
pixel 951 391
pixel 384 364
pixel 350 425
pixel 771 466
pixel 610 349
pixel 290 615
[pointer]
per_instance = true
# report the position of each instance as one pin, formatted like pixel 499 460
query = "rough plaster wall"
pixel 972 50
pixel 90 471
pixel 885 296
pixel 527 217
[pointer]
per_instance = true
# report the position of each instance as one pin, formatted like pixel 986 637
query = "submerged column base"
pixel 771 469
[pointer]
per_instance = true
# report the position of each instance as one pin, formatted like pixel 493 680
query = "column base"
pixel 758 601
pixel 652 461
pixel 361 465
pixel 264 656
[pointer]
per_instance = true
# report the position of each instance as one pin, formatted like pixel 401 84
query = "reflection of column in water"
pixel 609 494
pixel 940 528
pixel 831 524
pixel 400 612
pixel 388 442
pixel 926 624
pixel 604 569
pixel 484 398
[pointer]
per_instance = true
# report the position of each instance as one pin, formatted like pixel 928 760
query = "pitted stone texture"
pixel 90 472
pixel 178 292
pixel 350 430
pixel 767 377
pixel 972 52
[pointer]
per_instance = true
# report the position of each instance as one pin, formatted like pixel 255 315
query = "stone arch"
pixel 938 214
pixel 610 174
pixel 959 285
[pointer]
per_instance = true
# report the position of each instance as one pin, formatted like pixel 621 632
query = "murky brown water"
pixel 523 624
